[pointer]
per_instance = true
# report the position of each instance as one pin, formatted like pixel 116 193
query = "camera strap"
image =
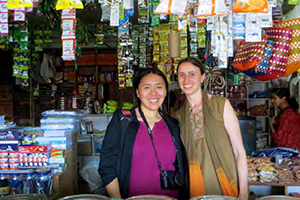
pixel 151 137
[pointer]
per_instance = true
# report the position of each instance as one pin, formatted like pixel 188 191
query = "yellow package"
pixel 26 3
pixel 62 4
pixel 156 57
pixel 76 4
pixel 11 4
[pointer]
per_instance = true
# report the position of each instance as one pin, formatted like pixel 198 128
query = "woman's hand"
pixel 272 122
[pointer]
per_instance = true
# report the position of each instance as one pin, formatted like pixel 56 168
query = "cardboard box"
pixel 10 134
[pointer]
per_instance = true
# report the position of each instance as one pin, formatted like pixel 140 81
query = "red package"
pixel 34 149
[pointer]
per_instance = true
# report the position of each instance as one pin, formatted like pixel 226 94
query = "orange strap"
pixel 169 6
pixel 228 188
pixel 197 187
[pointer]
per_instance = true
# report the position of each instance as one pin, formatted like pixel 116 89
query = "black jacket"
pixel 116 151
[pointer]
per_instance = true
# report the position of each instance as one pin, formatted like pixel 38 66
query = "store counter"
pixel 266 177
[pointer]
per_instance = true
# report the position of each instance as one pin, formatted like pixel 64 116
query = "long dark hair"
pixel 194 61
pixel 142 73
pixel 284 92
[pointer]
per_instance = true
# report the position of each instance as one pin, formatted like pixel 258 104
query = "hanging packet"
pixel 167 7
pixel 12 4
pixel 254 6
pixel 76 4
pixel 62 4
pixel 68 45
pixel 206 8
pixel 26 3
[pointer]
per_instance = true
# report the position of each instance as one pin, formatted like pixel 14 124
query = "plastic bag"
pixel 167 7
pixel 256 6
pixel 64 113
pixel 295 13
pixel 206 8
pixel 285 152
pixel 47 68
pixel 89 173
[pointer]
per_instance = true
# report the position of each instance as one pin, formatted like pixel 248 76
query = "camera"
pixel 171 180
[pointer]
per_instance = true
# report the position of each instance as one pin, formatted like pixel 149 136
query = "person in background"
pixel 286 126
pixel 211 135
pixel 136 141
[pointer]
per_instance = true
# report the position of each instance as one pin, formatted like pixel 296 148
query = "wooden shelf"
pixel 238 99
pixel 72 66
pixel 259 99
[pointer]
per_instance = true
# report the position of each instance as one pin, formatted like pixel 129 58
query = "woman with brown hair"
pixel 211 135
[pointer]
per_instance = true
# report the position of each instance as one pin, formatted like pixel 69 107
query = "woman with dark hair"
pixel 143 145
pixel 211 135
pixel 286 126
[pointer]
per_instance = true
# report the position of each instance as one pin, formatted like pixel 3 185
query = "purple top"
pixel 144 178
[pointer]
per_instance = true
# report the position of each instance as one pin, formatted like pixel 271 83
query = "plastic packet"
pixel 64 113
pixel 105 12
pixel 256 6
pixel 272 152
pixel 12 4
pixel 26 3
pixel 58 120
pixel 20 15
pixel 76 4
pixel 63 4
pixel 4 17
pixel 222 7
pixel 206 8
pixel 68 45
pixel 166 7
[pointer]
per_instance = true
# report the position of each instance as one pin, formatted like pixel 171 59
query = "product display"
pixel 262 170
pixel 67 66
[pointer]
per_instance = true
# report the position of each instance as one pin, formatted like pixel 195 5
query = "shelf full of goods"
pixel 274 167
pixel 32 159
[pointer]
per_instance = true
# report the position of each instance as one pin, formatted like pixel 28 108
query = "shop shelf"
pixel 238 99
pixel 259 99
pixel 265 116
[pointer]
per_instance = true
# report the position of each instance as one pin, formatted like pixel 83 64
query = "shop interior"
pixel 66 67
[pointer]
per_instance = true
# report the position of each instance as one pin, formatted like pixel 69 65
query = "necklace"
pixel 195 106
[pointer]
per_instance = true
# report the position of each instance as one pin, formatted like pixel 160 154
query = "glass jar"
pixel 75 99
pixel 28 183
pixel 15 184
pixel 43 181
pixel 4 187
pixel 89 127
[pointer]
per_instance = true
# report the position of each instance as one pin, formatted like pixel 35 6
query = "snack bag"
pixel 62 4
pixel 167 7
pixel 206 8
pixel 256 6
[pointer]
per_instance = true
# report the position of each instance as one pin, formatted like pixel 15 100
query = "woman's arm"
pixel 233 129
pixel 113 189
pixel 284 127
pixel 109 157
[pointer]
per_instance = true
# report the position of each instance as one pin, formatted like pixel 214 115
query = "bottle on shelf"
pixel 4 187
pixel 75 99
pixel 63 102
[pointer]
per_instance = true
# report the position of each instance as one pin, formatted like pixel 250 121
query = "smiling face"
pixel 151 92
pixel 190 78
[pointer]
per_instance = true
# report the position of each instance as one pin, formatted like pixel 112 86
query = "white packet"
pixel 166 7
